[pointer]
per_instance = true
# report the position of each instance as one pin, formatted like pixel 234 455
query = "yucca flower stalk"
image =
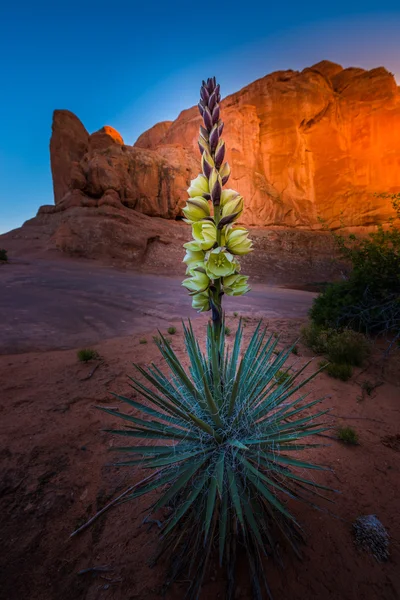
pixel 216 240
pixel 221 436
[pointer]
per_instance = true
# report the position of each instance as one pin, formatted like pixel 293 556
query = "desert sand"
pixel 56 474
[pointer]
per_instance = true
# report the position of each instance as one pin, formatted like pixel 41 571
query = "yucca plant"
pixel 221 446
pixel 221 436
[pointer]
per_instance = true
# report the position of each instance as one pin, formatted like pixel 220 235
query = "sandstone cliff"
pixel 303 146
pixel 308 146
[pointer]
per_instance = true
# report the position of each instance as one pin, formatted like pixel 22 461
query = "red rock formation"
pixel 68 145
pixel 153 136
pixel 310 145
pixel 303 146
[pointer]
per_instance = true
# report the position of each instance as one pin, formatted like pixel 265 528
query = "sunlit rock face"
pixel 310 145
pixel 305 148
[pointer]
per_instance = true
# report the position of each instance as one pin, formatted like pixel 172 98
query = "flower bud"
pixel 210 85
pixel 212 101
pixel 207 163
pixel 225 173
pixel 204 133
pixel 201 302
pixel 235 285
pixel 193 258
pixel 237 240
pixel 196 209
pixel 198 186
pixel 220 263
pixel 214 137
pixel 220 127
pixel 217 87
pixel 203 145
pixel 205 234
pixel 197 283
pixel 201 108
pixel 204 93
pixel 219 153
pixel 215 114
pixel 215 184
pixel 207 119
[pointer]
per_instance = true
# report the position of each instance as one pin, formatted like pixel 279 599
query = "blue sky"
pixel 131 64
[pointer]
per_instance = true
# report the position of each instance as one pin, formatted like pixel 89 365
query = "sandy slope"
pixel 54 475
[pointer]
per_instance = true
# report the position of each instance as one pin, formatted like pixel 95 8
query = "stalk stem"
pixel 217 313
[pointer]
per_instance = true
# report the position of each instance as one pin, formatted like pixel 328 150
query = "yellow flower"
pixel 205 234
pixel 196 209
pixel 198 186
pixel 237 240
pixel 235 285
pixel 228 195
pixel 220 263
pixel 201 302
pixel 233 208
pixel 197 283
pixel 193 258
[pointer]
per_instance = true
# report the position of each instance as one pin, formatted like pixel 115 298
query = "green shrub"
pixel 348 435
pixel 142 341
pixel 341 371
pixel 3 255
pixel 227 330
pixel 235 314
pixel 228 463
pixel 171 330
pixel 295 350
pixel 369 299
pixel 347 347
pixel 315 337
pixel 87 354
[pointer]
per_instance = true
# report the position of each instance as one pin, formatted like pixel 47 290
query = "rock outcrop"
pixel 309 146
pixel 305 148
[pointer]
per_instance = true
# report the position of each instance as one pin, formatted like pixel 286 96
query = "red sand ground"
pixel 54 476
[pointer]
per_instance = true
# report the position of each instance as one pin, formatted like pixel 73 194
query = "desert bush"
pixel 341 346
pixel 348 435
pixel 342 371
pixel 347 346
pixel 368 300
pixel 87 354
pixel 3 255
pixel 142 341
pixel 228 330
pixel 171 330
pixel 315 337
